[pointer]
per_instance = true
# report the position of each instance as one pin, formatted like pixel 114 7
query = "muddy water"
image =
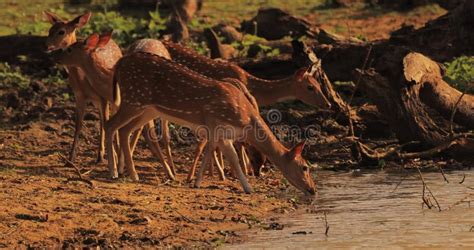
pixel 379 209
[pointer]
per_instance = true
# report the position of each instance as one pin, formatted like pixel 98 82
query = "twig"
pixel 442 173
pixel 400 182
pixel 455 108
pixel 326 224
pixel 394 152
pixel 463 178
pixel 78 172
pixel 463 200
pixel 426 188
pixel 71 164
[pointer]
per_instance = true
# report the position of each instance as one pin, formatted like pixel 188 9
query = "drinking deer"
pixel 302 85
pixel 168 90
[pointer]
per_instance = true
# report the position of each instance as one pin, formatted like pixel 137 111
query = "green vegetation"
pixel 12 76
pixel 460 74
pixel 250 41
pixel 23 17
pixel 26 17
pixel 126 29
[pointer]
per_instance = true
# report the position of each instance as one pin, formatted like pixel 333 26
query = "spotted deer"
pixel 302 85
pixel 96 57
pixel 150 83
pixel 61 35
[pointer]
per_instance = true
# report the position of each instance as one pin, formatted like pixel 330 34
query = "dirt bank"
pixel 40 208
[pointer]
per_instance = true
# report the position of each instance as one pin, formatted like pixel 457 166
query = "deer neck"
pixel 270 92
pixel 99 77
pixel 266 142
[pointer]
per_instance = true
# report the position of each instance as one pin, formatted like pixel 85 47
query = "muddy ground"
pixel 40 206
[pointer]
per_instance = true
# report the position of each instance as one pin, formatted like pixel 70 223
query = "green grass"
pixel 235 11
pixel 18 16
pixel 26 16
pixel 460 74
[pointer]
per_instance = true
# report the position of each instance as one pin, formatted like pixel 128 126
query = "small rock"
pixel 274 226
pixel 141 221
pixel 302 232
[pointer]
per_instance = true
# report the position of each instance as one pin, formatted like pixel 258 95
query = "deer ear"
pixel 52 18
pixel 104 39
pixel 92 41
pixel 81 20
pixel 297 150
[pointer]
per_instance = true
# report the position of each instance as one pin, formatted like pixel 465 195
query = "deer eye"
pixel 305 168
pixel 61 32
pixel 69 50
pixel 310 88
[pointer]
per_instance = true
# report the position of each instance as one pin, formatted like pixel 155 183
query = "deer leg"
pixel 123 116
pixel 228 149
pixel 124 135
pixel 206 160
pixel 219 166
pixel 221 158
pixel 104 116
pixel 133 142
pixel 165 131
pixel 145 119
pixel 151 138
pixel 215 160
pixel 197 154
pixel 245 160
pixel 80 111
pixel 256 159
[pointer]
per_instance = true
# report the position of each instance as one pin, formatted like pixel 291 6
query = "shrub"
pixel 460 74
pixel 12 77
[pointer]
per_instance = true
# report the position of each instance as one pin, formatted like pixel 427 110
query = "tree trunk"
pixel 418 103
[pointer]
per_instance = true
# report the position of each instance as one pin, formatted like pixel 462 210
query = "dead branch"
pixel 455 108
pixel 425 197
pixel 326 224
pixel 442 173
pixel 463 179
pixel 78 172
pixel 394 153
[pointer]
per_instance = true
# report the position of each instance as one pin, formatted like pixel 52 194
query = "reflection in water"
pixel 375 209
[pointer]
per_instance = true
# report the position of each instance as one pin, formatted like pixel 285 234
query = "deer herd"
pixel 153 79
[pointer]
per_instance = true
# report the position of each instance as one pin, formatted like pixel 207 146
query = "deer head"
pixel 296 170
pixel 307 89
pixel 82 51
pixel 63 33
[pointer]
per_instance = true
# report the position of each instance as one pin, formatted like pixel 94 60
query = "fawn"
pixel 168 90
pixel 61 35
pixel 95 59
